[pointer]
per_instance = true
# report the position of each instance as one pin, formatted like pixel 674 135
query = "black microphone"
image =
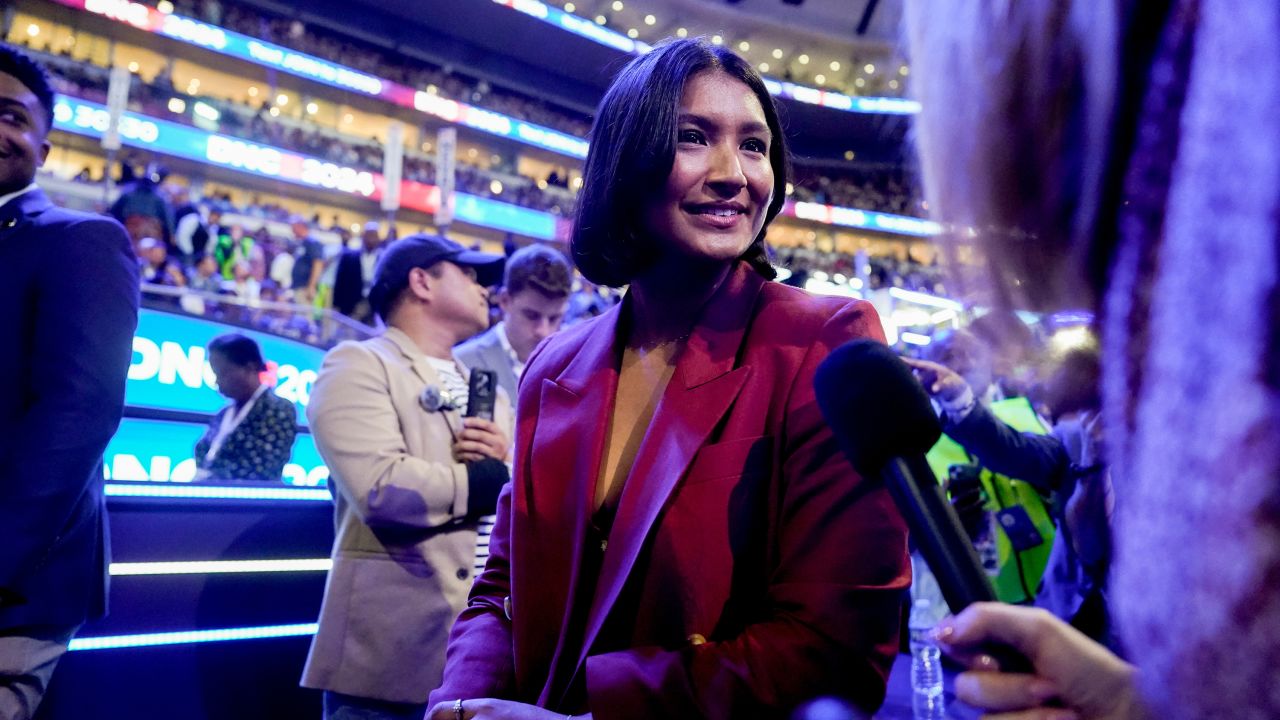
pixel 882 417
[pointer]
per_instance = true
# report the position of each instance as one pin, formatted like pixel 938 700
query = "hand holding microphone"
pixel 1025 660
pixel 885 423
pixel 1088 679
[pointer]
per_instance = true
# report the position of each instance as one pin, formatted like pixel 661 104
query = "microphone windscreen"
pixel 875 405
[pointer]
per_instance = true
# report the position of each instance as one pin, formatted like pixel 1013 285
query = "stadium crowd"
pixel 550 194
pixel 450 81
pixel 258 265
pixel 882 189
pixel 246 253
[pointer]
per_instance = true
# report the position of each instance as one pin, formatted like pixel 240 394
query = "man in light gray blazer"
pixel 534 298
pixel 411 477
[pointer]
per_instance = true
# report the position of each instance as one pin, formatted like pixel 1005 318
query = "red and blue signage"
pixel 260 52
pixel 91 119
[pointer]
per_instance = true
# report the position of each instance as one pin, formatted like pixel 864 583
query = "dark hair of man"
pixel 238 349
pixel 31 74
pixel 633 146
pixel 937 350
pixel 1074 384
pixel 397 294
pixel 1002 330
pixel 540 268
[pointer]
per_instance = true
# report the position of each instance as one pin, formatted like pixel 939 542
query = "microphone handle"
pixel 944 544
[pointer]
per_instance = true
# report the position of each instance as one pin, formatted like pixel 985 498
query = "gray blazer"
pixel 485 352
pixel 403 555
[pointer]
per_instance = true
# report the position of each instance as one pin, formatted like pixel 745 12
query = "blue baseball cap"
pixel 391 274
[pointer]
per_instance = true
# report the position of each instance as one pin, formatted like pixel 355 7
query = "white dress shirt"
pixel 4 199
pixel 517 364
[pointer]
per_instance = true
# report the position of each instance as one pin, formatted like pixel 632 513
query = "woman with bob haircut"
pixel 682 537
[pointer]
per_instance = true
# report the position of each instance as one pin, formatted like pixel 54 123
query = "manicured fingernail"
pixel 986 663
pixel 943 631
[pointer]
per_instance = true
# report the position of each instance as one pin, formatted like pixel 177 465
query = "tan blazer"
pixel 403 556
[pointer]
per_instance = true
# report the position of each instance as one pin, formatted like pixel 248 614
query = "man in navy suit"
pixel 70 307
pixel 355 276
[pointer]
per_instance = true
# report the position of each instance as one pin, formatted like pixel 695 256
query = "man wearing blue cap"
pixel 411 478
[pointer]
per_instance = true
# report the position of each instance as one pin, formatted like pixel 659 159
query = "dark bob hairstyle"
pixel 633 148
pixel 239 350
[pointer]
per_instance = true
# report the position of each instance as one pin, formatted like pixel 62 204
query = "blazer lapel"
pixel 565 457
pixel 18 210
pixel 417 360
pixel 701 391
pixel 498 359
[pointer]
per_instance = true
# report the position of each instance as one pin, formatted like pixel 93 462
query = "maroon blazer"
pixel 749 567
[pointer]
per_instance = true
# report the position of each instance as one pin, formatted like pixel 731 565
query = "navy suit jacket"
pixel 69 310
pixel 1040 460
pixel 348 283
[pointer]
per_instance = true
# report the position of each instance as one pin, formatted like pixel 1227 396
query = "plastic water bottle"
pixel 985 544
pixel 927 701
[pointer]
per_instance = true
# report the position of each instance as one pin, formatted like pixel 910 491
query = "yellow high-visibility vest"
pixel 1020 572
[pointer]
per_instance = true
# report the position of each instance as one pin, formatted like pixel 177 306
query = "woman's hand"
pixel 1088 681
pixel 494 709
pixel 481 439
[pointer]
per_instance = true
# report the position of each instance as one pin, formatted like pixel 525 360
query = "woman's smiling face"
pixel 716 198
